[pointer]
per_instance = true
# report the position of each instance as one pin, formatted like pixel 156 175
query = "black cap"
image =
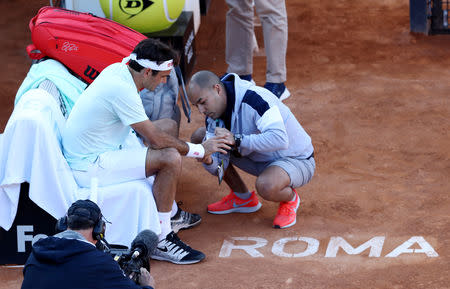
pixel 82 211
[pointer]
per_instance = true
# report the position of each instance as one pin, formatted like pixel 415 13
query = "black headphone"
pixel 84 209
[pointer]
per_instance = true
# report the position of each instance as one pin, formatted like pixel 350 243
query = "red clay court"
pixel 375 100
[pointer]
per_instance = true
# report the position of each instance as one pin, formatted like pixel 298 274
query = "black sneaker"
pixel 184 220
pixel 172 249
pixel 279 89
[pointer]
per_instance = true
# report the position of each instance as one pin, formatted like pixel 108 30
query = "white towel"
pixel 30 151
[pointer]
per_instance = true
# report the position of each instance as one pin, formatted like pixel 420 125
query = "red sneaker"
pixel 231 204
pixel 287 213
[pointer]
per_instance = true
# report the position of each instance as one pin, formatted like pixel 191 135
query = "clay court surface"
pixel 375 100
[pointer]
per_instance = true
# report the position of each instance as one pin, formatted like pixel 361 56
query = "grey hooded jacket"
pixel 162 102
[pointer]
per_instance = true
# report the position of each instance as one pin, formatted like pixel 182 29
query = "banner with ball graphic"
pixel 144 16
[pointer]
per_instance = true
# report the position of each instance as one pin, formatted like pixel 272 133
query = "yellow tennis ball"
pixel 144 16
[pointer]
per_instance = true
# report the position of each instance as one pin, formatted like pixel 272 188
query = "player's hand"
pixel 223 132
pixel 145 279
pixel 207 160
pixel 217 144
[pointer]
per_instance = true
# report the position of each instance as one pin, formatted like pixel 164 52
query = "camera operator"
pixel 70 259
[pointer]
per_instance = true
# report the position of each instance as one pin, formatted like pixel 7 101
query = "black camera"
pixel 132 260
pixel 130 265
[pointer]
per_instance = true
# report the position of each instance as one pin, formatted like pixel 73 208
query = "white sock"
pixel 174 209
pixel 243 196
pixel 164 220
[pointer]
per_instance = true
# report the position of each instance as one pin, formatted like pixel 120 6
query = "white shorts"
pixel 114 167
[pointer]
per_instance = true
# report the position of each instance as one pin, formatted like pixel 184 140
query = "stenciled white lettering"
pixel 375 246
pixel 229 245
pixel 425 248
pixel 311 249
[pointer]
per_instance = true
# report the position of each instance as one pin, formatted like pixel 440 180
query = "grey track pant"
pixel 240 33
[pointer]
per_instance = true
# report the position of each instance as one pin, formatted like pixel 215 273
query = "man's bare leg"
pixel 234 180
pixel 180 219
pixel 166 164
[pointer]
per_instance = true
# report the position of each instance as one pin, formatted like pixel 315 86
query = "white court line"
pixel 12 266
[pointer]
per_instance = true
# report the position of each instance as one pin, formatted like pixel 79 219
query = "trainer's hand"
pixel 216 144
pixel 225 133
pixel 146 279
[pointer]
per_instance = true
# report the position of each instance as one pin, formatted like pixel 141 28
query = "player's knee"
pixel 198 135
pixel 171 158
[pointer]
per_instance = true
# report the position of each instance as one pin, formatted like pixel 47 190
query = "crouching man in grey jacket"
pixel 268 140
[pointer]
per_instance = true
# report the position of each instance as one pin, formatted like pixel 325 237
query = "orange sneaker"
pixel 287 213
pixel 232 204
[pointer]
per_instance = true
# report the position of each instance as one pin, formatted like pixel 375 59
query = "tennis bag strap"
pixel 183 94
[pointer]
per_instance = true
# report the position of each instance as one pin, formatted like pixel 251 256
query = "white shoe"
pixel 172 249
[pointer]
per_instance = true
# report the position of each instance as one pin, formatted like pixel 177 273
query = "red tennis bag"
pixel 83 42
